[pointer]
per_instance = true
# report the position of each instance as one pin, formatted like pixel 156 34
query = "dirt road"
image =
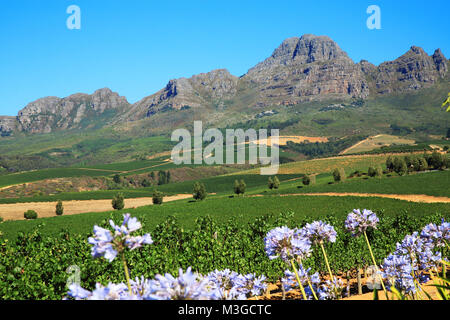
pixel 47 209
pixel 407 197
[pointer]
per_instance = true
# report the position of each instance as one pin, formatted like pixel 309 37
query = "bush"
pixel 30 215
pixel 372 172
pixel 199 191
pixel 276 183
pixel 239 187
pixel 157 197
pixel 338 175
pixel 118 202
pixel 117 179
pixel 59 208
pixel 400 166
pixel 1 219
pixel 306 180
pixel 270 183
pixel 390 164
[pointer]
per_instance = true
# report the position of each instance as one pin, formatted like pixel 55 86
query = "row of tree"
pixel 411 163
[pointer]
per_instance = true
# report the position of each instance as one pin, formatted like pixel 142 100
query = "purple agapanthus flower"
pixel 110 292
pixel 436 235
pixel 286 244
pixel 319 232
pixel 358 222
pixel 108 244
pixel 187 286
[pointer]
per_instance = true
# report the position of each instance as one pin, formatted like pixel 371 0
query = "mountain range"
pixel 301 70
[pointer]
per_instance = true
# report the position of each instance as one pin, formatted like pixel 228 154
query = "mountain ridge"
pixel 301 69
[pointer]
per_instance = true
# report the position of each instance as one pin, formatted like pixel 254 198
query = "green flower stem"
pixel 309 284
pixel 298 280
pixel 326 261
pixel 127 274
pixel 329 269
pixel 376 265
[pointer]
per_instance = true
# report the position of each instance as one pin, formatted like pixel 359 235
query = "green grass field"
pixel 429 183
pixel 244 209
pixel 32 176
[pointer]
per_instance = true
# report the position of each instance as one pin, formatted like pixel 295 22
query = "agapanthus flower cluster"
pixel 110 292
pixel 187 286
pixel 108 244
pixel 319 232
pixel 437 235
pixel 406 267
pixel 358 222
pixel 286 244
pixel 326 290
pixel 217 285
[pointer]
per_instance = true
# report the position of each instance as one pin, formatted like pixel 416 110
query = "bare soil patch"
pixel 47 209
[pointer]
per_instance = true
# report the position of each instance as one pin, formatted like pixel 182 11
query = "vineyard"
pixel 34 266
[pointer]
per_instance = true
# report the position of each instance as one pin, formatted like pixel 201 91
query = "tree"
pixel 338 175
pixel 152 175
pixel 199 191
pixel 239 187
pixel 276 183
pixel 270 183
pixel 372 172
pixel 157 197
pixel 242 186
pixel 145 183
pixel 236 187
pixel 437 160
pixel 423 164
pixel 400 166
pixel 117 179
pixel 59 208
pixel 30 215
pixel 378 172
pixel 161 177
pixel 306 180
pixel 118 202
pixel 389 164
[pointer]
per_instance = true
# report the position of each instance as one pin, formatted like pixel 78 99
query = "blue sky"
pixel 135 47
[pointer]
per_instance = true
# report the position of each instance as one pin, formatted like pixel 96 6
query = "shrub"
pixel 338 175
pixel 118 202
pixel 270 183
pixel 117 179
pixel 389 164
pixel 239 187
pixel 59 208
pixel 199 191
pixel 378 172
pixel 145 183
pixel 1 219
pixel 306 180
pixel 157 197
pixel 276 183
pixel 437 160
pixel 400 166
pixel 30 215
pixel 372 172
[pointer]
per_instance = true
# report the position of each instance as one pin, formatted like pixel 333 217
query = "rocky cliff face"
pixel 7 125
pixel 52 113
pixel 412 71
pixel 204 89
pixel 307 68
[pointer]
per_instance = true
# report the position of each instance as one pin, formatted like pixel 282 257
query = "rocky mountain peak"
pixel 441 62
pixel 52 113
pixel 412 71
